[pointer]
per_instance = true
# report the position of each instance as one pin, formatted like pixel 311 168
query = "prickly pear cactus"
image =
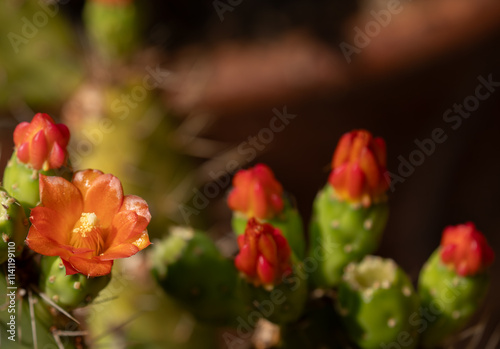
pixel 342 232
pixel 257 194
pixel 190 269
pixel 453 282
pixel 350 213
pixel 69 291
pixel 378 304
pixel 13 226
pixel 271 281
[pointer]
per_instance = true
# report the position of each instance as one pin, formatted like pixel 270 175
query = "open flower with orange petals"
pixel 359 164
pixel 465 249
pixel 88 222
pixel 41 143
pixel 256 193
pixel 265 256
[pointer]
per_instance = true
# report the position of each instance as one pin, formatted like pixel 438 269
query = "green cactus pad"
pixel 69 291
pixel 282 304
pixel 340 233
pixel 21 181
pixel 289 222
pixel 13 226
pixel 449 299
pixel 378 304
pixel 190 268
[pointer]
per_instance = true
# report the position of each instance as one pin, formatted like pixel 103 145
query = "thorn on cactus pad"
pixel 335 224
pixel 77 285
pixel 52 279
pixel 406 291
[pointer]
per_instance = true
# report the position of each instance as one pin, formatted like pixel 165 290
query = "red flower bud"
pixel 256 193
pixel 264 256
pixel 359 164
pixel 41 143
pixel 465 248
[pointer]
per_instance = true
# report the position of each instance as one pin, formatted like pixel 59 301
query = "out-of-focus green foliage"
pixel 39 62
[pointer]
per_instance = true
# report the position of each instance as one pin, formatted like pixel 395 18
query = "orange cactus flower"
pixel 359 164
pixel 264 256
pixel 41 143
pixel 465 249
pixel 256 193
pixel 88 222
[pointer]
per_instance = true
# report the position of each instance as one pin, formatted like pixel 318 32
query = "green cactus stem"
pixel 281 304
pixel 190 269
pixel 69 291
pixel 13 226
pixel 450 300
pixel 342 232
pixel 21 181
pixel 378 304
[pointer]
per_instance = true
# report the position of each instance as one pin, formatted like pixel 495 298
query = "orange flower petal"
pixel 343 149
pixel 20 133
pixel 62 196
pixel 69 268
pixel 91 267
pixel 370 168
pixel 52 224
pixel 136 204
pixel 45 245
pixel 126 225
pixel 104 197
pixel 120 251
pixel 84 179
pixel 128 248
pixel 23 152
pixel 39 150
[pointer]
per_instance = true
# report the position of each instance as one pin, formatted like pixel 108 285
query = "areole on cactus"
pixel 88 222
